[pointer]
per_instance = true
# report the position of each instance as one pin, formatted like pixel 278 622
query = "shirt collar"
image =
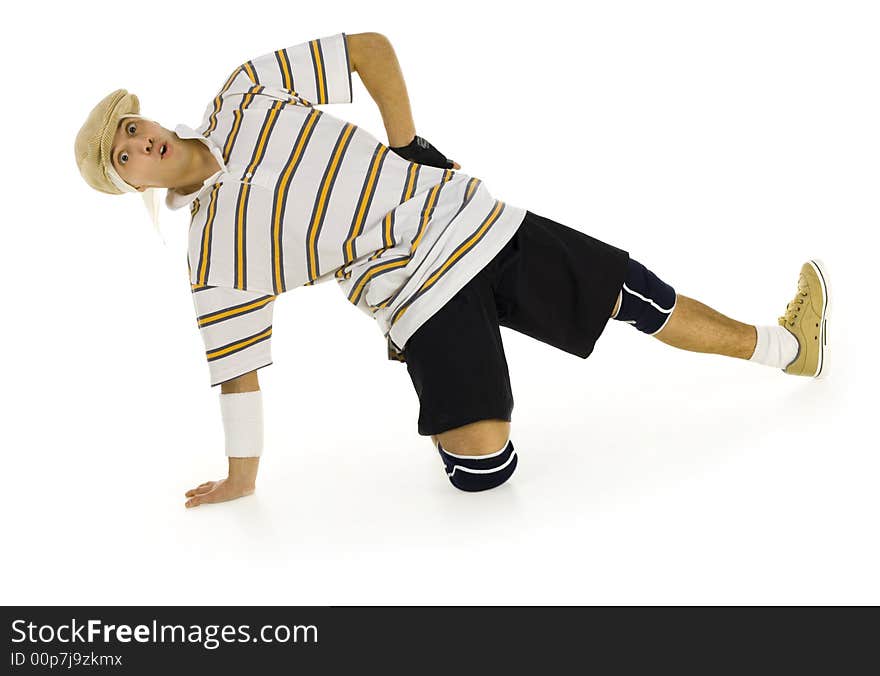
pixel 175 200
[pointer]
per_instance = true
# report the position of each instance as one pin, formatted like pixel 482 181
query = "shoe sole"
pixel 822 273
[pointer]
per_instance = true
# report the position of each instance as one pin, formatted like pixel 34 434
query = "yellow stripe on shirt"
pixel 284 66
pixel 240 271
pixel 237 311
pixel 320 75
pixel 237 115
pixel 363 206
pixel 409 187
pixel 238 345
pixel 354 295
pixel 465 246
pixel 251 72
pixel 323 198
pixel 212 125
pixel 280 200
pixel 205 253
pixel 428 211
pixel 462 249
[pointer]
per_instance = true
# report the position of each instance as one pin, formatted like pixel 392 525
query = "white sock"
pixel 776 346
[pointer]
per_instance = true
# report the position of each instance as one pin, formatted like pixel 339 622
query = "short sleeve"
pixel 236 327
pixel 318 71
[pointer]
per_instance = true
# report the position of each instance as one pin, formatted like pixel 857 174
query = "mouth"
pixel 164 151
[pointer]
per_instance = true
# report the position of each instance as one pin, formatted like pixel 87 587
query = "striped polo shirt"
pixel 303 197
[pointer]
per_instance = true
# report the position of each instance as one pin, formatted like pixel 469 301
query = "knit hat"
pixel 92 148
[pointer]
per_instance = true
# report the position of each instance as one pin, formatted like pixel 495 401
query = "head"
pixel 118 151
pixel 146 155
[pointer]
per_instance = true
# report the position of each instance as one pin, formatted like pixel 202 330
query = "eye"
pixel 123 157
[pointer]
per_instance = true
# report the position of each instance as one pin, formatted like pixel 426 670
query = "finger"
pixel 201 488
pixel 216 494
pixel 200 498
pixel 456 165
pixel 192 491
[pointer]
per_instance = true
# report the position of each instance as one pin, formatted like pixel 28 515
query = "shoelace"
pixel 792 310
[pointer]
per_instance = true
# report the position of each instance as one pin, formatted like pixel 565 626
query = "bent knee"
pixel 479 472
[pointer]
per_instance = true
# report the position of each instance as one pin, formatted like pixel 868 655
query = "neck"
pixel 203 166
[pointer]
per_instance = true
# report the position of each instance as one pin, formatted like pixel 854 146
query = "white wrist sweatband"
pixel 242 414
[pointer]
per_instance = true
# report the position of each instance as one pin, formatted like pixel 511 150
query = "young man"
pixel 284 195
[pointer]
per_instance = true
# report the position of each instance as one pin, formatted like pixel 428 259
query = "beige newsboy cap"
pixel 95 137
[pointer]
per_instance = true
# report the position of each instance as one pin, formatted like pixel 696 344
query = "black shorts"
pixel 550 282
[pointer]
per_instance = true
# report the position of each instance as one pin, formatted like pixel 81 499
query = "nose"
pixel 144 143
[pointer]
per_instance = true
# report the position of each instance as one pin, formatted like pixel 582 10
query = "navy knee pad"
pixel 646 301
pixel 479 472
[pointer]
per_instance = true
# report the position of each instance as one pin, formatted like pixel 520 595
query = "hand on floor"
pixel 217 491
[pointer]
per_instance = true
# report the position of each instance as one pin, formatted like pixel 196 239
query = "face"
pixel 146 155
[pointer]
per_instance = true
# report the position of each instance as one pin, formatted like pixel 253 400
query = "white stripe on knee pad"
pixel 650 300
pixel 477 457
pixel 668 318
pixel 471 470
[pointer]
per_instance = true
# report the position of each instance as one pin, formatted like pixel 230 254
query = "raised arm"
pixel 372 57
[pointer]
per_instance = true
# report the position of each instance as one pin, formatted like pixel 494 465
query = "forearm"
pixel 375 62
pixel 242 471
pixel 244 383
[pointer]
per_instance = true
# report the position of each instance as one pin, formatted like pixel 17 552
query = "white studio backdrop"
pixel 721 143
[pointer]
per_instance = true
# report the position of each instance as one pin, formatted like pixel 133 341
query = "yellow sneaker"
pixel 806 316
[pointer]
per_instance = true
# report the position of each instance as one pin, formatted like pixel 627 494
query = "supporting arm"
pixel 242 471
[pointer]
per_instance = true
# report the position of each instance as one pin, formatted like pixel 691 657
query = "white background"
pixel 721 144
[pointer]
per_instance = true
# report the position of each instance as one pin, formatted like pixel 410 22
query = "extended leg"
pixel 697 327
pixel 653 307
